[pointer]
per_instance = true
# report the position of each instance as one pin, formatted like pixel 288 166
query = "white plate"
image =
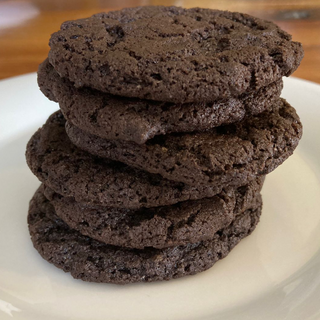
pixel 273 274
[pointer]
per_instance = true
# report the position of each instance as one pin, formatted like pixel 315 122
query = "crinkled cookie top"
pixel 173 54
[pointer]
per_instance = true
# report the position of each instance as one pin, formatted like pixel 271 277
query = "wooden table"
pixel 25 26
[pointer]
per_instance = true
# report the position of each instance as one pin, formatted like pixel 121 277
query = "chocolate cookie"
pixel 224 155
pixel 72 172
pixel 90 260
pixel 180 224
pixel 131 119
pixel 173 54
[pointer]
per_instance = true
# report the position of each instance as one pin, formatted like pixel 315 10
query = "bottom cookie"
pixel 93 261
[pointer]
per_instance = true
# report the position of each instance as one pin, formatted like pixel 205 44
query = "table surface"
pixel 25 26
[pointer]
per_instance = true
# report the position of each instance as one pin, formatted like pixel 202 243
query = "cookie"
pixel 71 172
pixel 173 54
pixel 90 260
pixel 224 155
pixel 180 224
pixel 119 118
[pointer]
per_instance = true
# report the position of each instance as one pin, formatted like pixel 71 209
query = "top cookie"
pixel 173 54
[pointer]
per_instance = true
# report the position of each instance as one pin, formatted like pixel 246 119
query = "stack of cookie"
pixel 170 119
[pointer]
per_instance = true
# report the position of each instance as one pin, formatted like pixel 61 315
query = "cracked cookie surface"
pixel 131 119
pixel 72 172
pixel 231 154
pixel 173 54
pixel 160 227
